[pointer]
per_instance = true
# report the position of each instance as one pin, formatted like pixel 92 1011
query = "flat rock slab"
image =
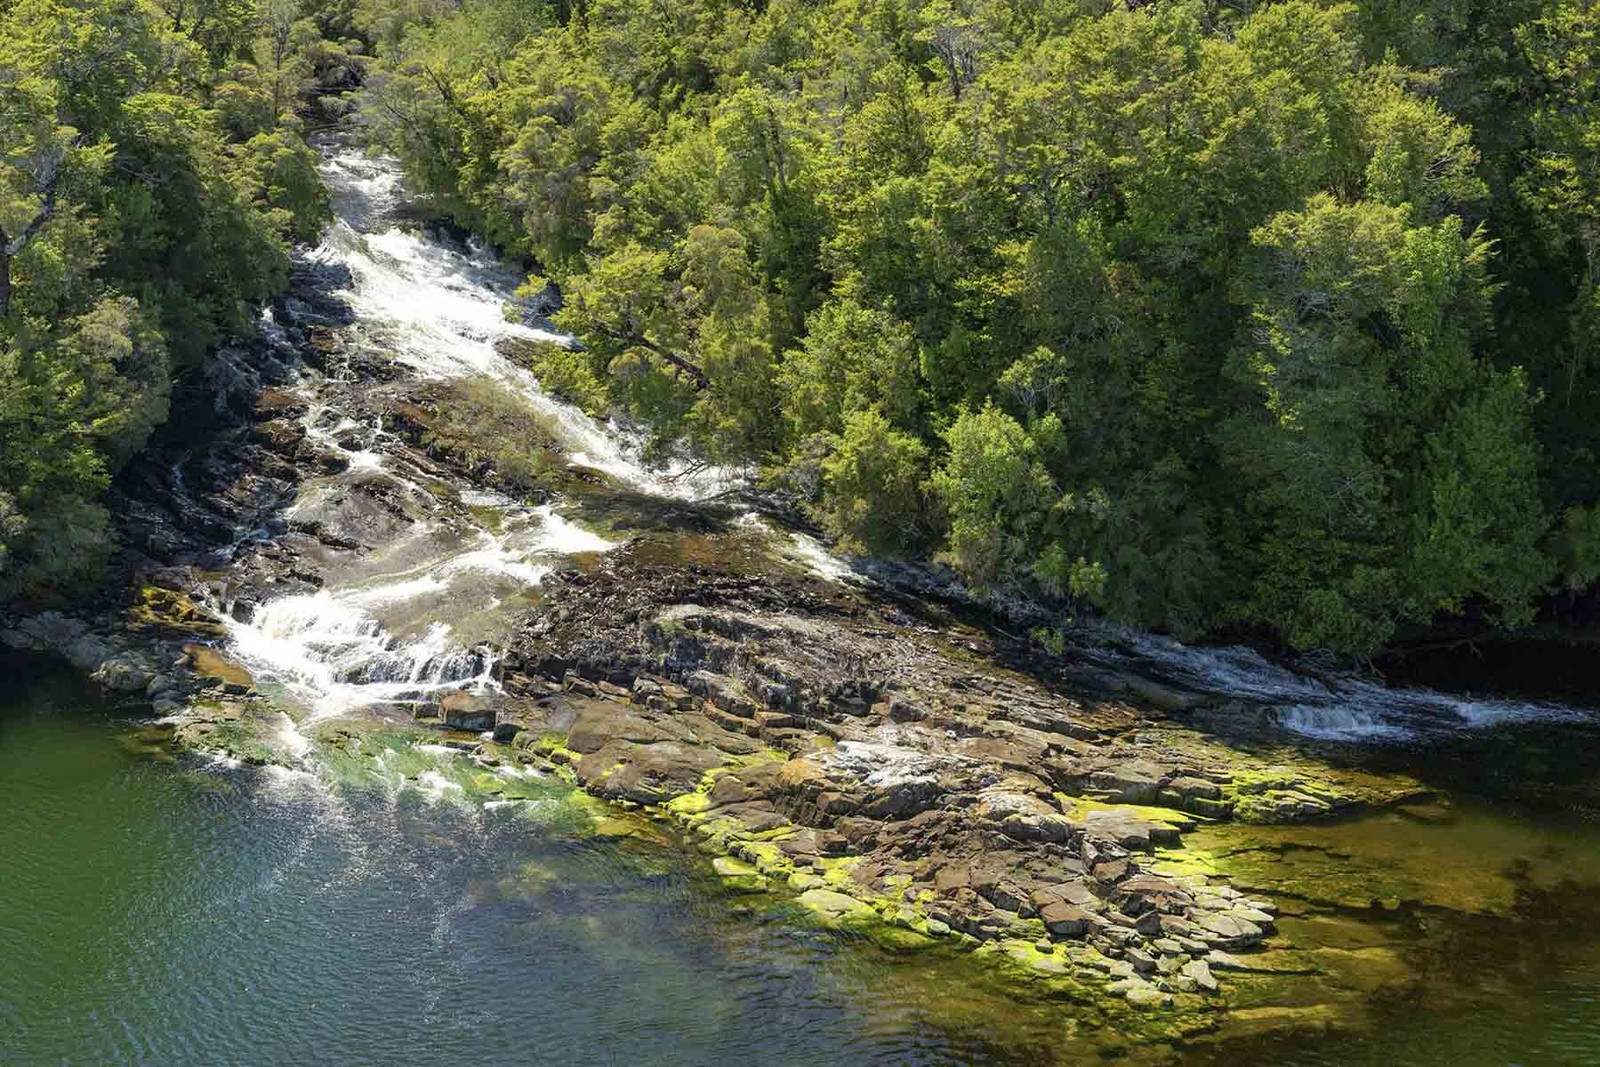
pixel 835 906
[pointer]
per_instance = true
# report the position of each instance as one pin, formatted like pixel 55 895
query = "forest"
pixel 152 179
pixel 1265 318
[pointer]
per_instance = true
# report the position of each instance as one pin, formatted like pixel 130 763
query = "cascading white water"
pixel 343 648
pixel 400 622
pixel 329 651
pixel 444 311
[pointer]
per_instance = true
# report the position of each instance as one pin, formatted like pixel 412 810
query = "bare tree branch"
pixel 701 381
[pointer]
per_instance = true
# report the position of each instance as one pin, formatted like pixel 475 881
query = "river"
pixel 173 909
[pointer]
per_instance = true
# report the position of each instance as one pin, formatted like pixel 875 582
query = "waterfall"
pixel 442 310
pixel 388 638
pixel 404 621
pixel 412 616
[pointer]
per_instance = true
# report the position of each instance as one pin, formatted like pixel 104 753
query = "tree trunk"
pixel 11 247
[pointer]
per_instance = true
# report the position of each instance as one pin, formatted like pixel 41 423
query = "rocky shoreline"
pixel 888 768
pixel 896 764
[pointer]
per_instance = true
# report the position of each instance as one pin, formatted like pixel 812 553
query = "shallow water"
pixel 161 912
pixel 177 913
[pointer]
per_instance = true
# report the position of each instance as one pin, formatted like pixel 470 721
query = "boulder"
pixel 834 906
pixel 1228 930
pixel 1185 788
pixel 1139 993
pixel 1199 972
pixel 124 674
pixel 1134 782
pixel 1022 817
pixel 644 773
pixel 738 875
pixel 1148 892
pixel 1070 892
pixel 1065 920
pixel 599 722
pixel 468 711
pixel 1128 830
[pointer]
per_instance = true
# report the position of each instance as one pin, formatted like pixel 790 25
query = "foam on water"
pixel 444 310
pixel 334 656
pixel 436 786
pixel 803 549
pixel 560 535
pixel 824 564
pixel 334 653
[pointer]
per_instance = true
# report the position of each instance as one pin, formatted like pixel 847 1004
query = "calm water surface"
pixel 179 913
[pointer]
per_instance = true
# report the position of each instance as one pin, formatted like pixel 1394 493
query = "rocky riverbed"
pixel 367 526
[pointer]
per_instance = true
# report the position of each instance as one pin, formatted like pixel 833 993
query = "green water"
pixel 178 912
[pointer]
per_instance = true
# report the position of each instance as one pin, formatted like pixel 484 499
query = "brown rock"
pixel 1069 892
pixel 644 773
pixel 469 711
pixel 1065 920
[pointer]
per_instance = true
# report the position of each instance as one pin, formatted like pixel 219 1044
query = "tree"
pixel 851 359
pixel 1391 469
pixel 872 486
pixel 46 177
pixel 996 493
pixel 138 225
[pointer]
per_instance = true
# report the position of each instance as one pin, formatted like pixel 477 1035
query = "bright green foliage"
pixel 1277 314
pixel 146 196
pixel 570 374
pixel 1560 188
pixel 1394 472
pixel 872 486
pixel 67 410
pixel 852 359
pixel 996 493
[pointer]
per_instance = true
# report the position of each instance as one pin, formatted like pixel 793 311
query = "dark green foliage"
pixel 872 485
pixel 150 177
pixel 1278 314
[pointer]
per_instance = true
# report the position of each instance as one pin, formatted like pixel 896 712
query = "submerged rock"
pixel 469 711
pixel 738 875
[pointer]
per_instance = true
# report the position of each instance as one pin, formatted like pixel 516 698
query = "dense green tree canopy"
pixel 149 184
pixel 1278 315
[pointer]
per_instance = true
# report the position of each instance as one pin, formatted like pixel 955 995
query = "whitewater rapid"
pixel 402 621
pixel 411 618
pixel 443 311
pixel 1329 707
